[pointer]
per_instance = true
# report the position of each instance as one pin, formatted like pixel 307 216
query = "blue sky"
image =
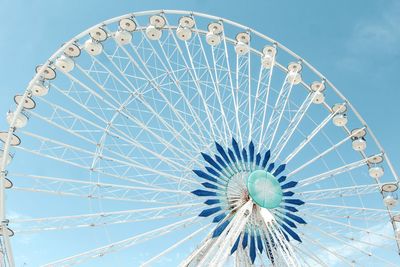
pixel 355 44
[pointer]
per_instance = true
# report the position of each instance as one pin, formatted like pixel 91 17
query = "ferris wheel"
pixel 171 138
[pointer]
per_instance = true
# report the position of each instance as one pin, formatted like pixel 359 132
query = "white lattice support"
pixel 321 155
pixel 278 111
pixel 341 211
pixel 291 128
pixel 98 190
pixel 310 137
pixel 123 244
pixel 102 218
pixel 331 173
pixel 174 246
pixel 339 192
pixel 228 238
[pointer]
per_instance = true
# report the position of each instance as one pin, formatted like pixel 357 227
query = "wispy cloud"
pixel 373 40
pixel 362 243
pixel 379 35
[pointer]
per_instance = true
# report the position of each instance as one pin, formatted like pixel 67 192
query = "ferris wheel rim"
pixel 179 12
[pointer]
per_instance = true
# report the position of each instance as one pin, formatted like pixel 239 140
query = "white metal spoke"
pixel 291 128
pixel 310 137
pixel 123 244
pixel 350 212
pixel 330 251
pixel 348 226
pixel 278 111
pixel 332 148
pixel 338 192
pixel 97 190
pixel 177 244
pixel 102 218
pixel 331 173
pixel 88 154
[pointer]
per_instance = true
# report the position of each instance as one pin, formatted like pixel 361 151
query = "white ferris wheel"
pixel 169 132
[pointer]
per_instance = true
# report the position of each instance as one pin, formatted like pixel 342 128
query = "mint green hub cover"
pixel 264 189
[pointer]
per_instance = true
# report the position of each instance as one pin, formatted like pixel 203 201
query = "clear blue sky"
pixel 356 44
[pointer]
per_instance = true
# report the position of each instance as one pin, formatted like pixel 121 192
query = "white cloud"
pixel 379 35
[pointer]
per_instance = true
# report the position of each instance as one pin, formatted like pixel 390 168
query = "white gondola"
pixel 294 77
pixel 376 172
pixel 157 21
pixel 390 201
pixel 27 102
pixel 98 34
pixel 21 120
pixel 7 183
pixel 73 50
pixel 318 97
pixel 186 22
pixel 153 33
pixel 93 48
pixel 241 48
pixel 48 73
pixel 317 86
pixel 123 37
pixel 65 64
pixel 14 140
pixel 213 39
pixel 340 120
pixel 268 57
pixel 127 24
pixel 39 89
pixel 184 33
pixel 359 144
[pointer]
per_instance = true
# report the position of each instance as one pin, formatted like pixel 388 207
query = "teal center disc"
pixel 264 189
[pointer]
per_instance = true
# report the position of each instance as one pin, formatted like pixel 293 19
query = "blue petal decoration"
pixel 251 151
pixel 245 239
pixel 204 175
pixel 260 244
pixel 295 218
pixel 271 167
pixel 231 155
pixel 291 232
pixel 222 152
pixel 208 212
pixel 235 246
pixel 220 228
pixel 282 179
pixel 266 158
pixel 244 153
pixel 285 235
pixel 290 208
pixel 288 222
pixel 288 194
pixel 211 162
pixel 219 218
pixel 279 170
pixel 209 185
pixel 236 148
pixel 258 159
pixel 204 193
pixel 212 171
pixel 252 249
pixel 221 162
pixel 289 185
pixel 297 202
pixel 211 201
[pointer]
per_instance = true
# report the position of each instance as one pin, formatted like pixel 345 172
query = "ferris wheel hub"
pixel 264 189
